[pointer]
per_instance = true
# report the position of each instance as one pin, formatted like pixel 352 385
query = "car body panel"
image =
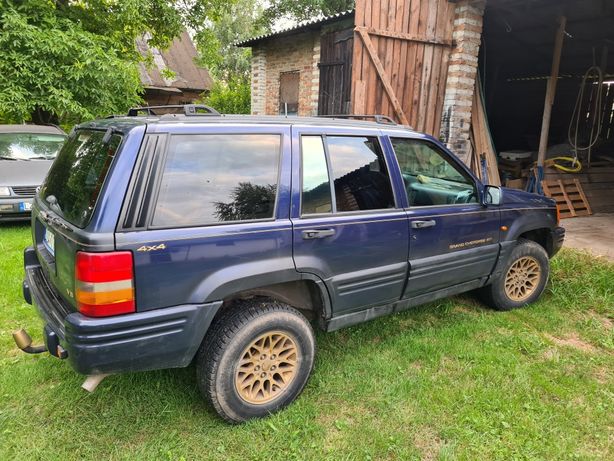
pixel 373 264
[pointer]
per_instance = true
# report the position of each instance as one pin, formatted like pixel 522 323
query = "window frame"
pixel 163 161
pixel 331 181
pixel 446 157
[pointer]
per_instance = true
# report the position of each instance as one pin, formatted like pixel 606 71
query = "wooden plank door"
pixel 336 50
pixel 401 54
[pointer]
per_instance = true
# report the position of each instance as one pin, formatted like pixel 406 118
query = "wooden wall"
pixel 400 61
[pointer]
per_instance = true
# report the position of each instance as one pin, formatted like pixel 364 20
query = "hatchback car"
pixel 159 241
pixel 26 154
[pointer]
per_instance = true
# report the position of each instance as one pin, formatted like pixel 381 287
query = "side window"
pixel 316 196
pixel 359 172
pixel 429 177
pixel 211 179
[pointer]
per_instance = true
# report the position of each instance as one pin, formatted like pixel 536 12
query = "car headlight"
pixel 4 191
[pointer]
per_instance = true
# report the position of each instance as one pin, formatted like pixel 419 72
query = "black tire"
pixel 504 296
pixel 266 326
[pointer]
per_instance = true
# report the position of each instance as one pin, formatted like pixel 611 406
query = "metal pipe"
pixel 92 381
pixel 24 342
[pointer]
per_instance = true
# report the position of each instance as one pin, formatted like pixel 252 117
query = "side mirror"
pixel 493 195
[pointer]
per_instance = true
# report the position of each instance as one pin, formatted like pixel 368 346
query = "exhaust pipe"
pixel 92 381
pixel 24 342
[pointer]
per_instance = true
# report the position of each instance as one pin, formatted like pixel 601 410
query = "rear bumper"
pixel 161 338
pixel 557 237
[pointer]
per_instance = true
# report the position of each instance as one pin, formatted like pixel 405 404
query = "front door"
pixel 454 239
pixel 347 228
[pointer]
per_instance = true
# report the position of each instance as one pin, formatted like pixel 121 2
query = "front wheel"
pixel 255 360
pixel 522 280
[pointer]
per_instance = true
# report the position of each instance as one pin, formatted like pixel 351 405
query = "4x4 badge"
pixel 162 246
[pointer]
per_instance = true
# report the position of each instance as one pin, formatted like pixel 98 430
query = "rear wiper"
pixel 4 157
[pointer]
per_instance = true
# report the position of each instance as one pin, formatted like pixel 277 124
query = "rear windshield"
pixel 76 177
pixel 30 146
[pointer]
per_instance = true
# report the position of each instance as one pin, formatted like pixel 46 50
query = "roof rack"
pixel 383 119
pixel 188 109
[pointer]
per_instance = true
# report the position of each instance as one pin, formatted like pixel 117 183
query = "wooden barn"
pixel 496 80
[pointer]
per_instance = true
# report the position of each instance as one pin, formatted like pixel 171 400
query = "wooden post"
pixel 551 91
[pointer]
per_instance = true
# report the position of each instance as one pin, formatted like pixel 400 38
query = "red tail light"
pixel 104 283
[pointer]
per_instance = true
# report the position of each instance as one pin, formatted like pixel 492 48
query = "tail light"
pixel 104 283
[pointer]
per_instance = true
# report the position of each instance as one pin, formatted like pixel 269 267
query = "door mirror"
pixel 493 195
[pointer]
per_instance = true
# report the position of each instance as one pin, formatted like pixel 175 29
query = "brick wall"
pixel 462 72
pixel 296 53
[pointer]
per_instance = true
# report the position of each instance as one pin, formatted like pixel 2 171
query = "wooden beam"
pixel 383 75
pixel 551 90
pixel 408 37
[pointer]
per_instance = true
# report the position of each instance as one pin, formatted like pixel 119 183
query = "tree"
pixel 250 201
pixel 301 10
pixel 68 61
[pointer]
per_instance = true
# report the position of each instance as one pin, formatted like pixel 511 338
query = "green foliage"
pixel 232 97
pixel 49 64
pixel 302 10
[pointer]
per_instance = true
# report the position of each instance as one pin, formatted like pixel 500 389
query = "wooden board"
pixel 401 70
pixel 569 197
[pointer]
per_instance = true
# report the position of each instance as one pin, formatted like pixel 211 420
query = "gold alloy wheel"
pixel 522 278
pixel 266 368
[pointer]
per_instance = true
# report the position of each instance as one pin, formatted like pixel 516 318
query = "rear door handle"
pixel 309 234
pixel 423 224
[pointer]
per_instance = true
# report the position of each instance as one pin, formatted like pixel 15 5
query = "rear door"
pixel 347 227
pixel 454 238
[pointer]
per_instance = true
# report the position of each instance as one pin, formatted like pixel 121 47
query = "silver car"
pixel 26 154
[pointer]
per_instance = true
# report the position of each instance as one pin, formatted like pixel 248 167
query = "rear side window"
pixel 316 196
pixel 210 179
pixel 359 173
pixel 77 175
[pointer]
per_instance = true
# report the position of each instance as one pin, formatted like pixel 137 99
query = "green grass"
pixel 449 380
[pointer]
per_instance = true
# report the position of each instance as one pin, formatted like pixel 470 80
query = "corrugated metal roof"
pixel 319 21
pixel 179 58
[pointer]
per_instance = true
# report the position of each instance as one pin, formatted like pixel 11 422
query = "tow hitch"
pixel 24 342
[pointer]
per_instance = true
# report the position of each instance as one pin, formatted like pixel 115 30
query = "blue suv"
pixel 162 240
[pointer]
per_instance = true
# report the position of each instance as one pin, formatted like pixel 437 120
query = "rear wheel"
pixel 255 360
pixel 522 280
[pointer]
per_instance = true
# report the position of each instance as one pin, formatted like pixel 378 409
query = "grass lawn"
pixel 449 380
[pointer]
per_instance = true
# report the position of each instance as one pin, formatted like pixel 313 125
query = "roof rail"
pixel 383 119
pixel 188 109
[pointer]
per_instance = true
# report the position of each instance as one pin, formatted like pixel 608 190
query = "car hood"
pixel 23 173
pixel 520 197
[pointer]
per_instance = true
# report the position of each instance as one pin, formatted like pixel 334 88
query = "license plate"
pixel 25 206
pixel 49 241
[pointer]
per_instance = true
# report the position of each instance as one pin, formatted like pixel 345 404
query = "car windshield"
pixel 30 146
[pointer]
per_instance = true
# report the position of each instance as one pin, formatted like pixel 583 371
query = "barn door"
pixel 401 60
pixel 335 72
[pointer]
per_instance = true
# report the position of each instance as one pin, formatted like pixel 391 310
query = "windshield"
pixel 77 175
pixel 30 146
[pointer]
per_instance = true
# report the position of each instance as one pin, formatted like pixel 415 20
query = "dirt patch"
pixel 428 443
pixel 574 341
pixel 602 375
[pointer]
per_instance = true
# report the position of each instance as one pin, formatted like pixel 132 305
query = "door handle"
pixel 309 234
pixel 423 224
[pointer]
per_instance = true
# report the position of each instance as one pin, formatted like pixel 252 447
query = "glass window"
pixel 210 179
pixel 77 175
pixel 359 172
pixel 316 196
pixel 30 146
pixel 430 178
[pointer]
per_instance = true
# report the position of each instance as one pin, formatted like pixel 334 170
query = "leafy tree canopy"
pixel 302 10
pixel 75 60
